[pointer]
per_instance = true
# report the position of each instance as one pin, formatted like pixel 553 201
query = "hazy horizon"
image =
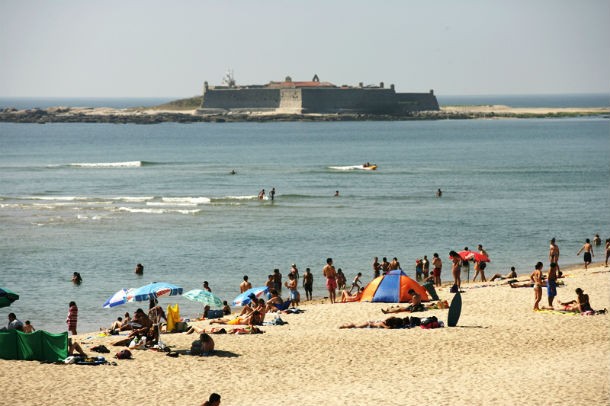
pixel 150 49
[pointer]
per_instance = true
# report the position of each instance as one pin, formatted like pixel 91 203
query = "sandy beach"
pixel 501 353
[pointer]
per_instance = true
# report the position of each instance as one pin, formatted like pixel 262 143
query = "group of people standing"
pixel 261 194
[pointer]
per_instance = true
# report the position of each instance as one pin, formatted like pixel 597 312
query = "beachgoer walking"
pixel 588 249
pixel 551 284
pixel 308 284
pixel 536 278
pixel 245 285
pixel 456 269
pixel 482 251
pixel 272 193
pixel 139 269
pixel 356 283
pixel 554 253
pixel 331 278
pixel 72 318
pixel 479 269
pixel 438 266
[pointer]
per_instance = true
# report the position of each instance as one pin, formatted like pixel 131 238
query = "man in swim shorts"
pixel 331 278
pixel 438 266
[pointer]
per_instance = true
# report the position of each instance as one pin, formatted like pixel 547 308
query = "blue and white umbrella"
pixel 245 298
pixel 152 291
pixel 117 299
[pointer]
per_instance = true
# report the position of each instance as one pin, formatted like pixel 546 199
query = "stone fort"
pixel 312 97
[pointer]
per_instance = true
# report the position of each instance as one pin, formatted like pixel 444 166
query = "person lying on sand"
pixel 415 306
pixel 511 275
pixel 390 322
pixel 253 319
pixel 347 297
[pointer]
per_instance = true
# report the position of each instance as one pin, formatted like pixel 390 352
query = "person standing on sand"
pixel 245 285
pixel 308 284
pixel 376 267
pixel 331 278
pixel 425 266
pixel 72 318
pixel 607 251
pixel 554 253
pixel 551 284
pixel 588 249
pixel 438 266
pixel 277 280
pixel 456 269
pixel 536 278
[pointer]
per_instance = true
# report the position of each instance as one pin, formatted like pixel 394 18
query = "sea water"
pixel 100 198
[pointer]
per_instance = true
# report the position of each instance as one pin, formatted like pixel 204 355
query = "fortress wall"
pixel 417 101
pixel 241 99
pixel 290 99
pixel 335 100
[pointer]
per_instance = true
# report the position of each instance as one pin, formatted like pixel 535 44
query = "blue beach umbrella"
pixel 119 298
pixel 152 291
pixel 244 298
pixel 203 296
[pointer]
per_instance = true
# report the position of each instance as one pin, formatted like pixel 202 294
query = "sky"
pixel 110 48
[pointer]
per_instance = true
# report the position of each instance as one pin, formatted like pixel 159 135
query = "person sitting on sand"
pixel 226 309
pixel 580 305
pixel 415 306
pixel 274 300
pixel 74 346
pixel 390 322
pixel 511 275
pixel 347 297
pixel 204 346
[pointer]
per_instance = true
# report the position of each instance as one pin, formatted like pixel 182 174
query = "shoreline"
pixel 155 116
pixel 499 343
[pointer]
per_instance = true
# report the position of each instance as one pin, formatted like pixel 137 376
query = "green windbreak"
pixel 39 345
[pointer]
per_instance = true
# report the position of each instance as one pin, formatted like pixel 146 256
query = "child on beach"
pixel 28 328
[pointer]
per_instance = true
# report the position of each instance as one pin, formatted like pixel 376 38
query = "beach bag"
pixel 123 354
pixel 100 348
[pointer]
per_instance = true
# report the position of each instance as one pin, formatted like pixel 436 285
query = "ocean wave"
pixel 186 200
pixel 126 164
pixel 157 211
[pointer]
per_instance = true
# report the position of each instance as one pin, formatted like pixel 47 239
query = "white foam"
pixel 127 164
pixel 157 211
pixel 134 199
pixel 186 200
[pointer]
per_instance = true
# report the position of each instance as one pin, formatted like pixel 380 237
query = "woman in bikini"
pixel 536 278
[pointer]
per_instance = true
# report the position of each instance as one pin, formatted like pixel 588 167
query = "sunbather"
pixel 253 319
pixel 511 275
pixel 347 297
pixel 390 322
pixel 415 306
